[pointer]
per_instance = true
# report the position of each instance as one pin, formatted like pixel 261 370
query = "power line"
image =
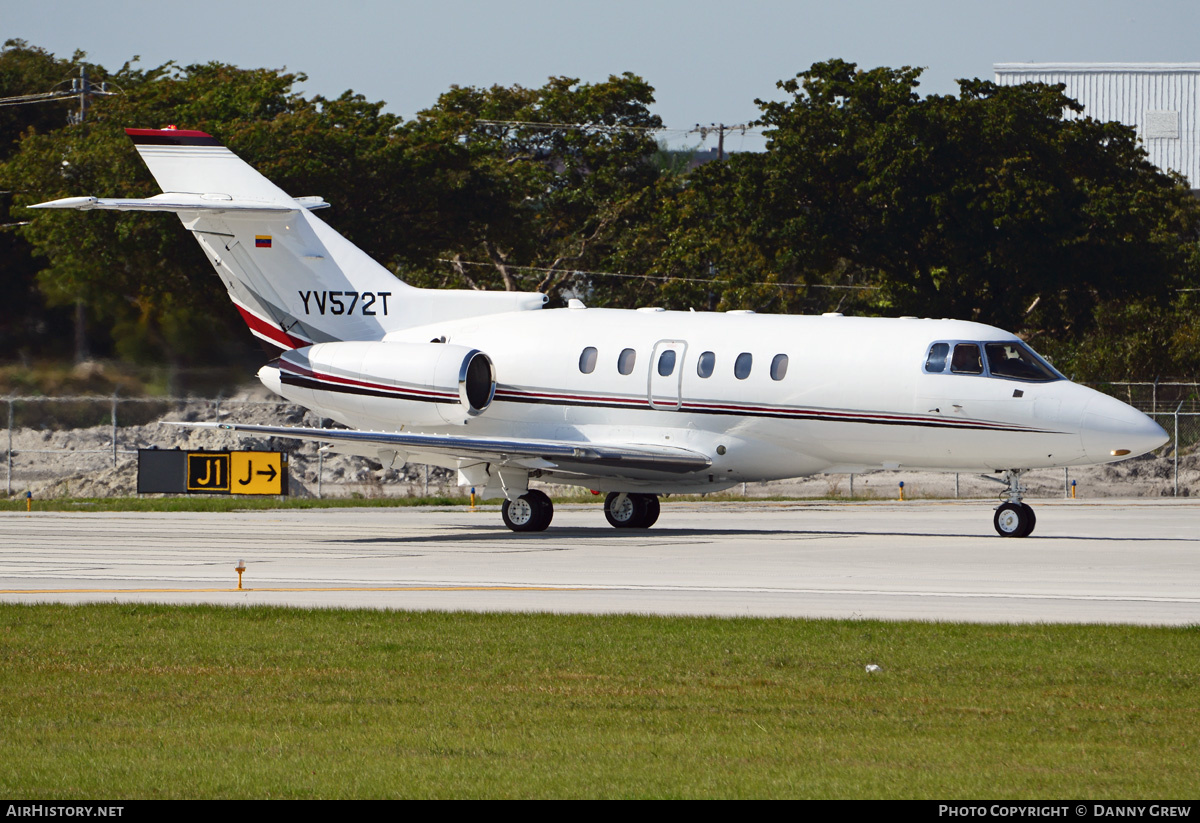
pixel 663 277
pixel 26 99
pixel 721 129
pixel 81 87
pixel 702 130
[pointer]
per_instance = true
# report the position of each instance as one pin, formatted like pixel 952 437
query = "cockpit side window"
pixel 1015 361
pixel 966 359
pixel 935 363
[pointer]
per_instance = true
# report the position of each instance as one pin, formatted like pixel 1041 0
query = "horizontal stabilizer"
pixel 571 456
pixel 177 202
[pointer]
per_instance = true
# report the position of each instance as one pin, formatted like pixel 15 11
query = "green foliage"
pixel 1000 204
pixel 544 181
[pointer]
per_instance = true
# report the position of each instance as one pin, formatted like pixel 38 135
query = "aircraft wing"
pixel 577 457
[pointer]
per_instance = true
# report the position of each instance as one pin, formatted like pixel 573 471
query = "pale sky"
pixel 707 60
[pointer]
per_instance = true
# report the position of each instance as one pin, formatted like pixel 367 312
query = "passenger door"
pixel 666 375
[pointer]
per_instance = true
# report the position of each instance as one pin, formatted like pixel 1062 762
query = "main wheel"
pixel 636 511
pixel 1014 520
pixel 626 515
pixel 531 512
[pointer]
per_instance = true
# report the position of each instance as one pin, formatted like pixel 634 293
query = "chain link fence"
pixel 69 438
pixel 88 446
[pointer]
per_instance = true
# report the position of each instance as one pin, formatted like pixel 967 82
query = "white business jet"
pixel 635 403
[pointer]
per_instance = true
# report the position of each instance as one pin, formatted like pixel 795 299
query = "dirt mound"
pixel 82 462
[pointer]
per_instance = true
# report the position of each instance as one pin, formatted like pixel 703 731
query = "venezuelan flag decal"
pixel 262 241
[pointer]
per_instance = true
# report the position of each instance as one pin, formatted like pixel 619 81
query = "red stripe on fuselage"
pixel 301 371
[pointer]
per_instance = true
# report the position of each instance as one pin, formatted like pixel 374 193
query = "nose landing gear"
pixel 1013 518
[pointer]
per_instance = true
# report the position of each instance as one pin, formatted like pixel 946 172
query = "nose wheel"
pixel 1014 520
pixel 531 512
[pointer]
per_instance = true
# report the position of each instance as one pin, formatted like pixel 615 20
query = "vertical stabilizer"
pixel 294 279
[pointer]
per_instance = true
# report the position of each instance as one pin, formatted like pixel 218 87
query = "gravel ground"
pixel 80 464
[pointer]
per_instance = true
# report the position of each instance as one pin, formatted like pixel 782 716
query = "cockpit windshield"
pixel 1011 360
pixel 1017 361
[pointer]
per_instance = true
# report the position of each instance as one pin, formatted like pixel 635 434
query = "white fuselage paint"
pixel 855 396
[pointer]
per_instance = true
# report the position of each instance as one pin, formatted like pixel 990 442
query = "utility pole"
pixel 720 129
pixel 86 90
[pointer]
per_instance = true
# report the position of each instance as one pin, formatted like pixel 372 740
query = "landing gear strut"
pixel 1013 518
pixel 531 512
pixel 631 511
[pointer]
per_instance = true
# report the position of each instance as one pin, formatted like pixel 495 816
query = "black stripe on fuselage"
pixel 341 388
pixel 503 396
pixel 782 414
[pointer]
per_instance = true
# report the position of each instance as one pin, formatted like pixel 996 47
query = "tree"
pixel 539 183
pixel 27 70
pixel 1000 205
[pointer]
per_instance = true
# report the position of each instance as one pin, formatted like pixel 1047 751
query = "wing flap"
pixel 582 457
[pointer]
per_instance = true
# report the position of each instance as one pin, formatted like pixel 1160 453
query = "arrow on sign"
pixel 250 472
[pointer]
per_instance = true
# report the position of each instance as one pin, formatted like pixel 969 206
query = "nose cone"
pixel 1112 431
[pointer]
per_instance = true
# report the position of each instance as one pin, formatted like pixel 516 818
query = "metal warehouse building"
pixel 1160 100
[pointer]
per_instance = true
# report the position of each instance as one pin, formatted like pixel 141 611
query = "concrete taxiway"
pixel 1106 562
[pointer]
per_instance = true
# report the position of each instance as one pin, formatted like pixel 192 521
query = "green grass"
pixel 121 701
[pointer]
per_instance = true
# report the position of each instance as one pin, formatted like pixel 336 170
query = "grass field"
pixel 125 701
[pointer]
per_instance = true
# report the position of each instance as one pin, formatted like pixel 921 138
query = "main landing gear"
pixel 533 511
pixel 1013 518
pixel 631 511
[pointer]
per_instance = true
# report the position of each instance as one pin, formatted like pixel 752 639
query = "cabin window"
pixel 741 366
pixel 666 363
pixel 779 367
pixel 626 360
pixel 587 360
pixel 706 364
pixel 966 359
pixel 935 363
pixel 1017 362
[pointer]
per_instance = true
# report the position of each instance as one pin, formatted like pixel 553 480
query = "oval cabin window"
pixel 666 363
pixel 587 360
pixel 779 367
pixel 742 366
pixel 626 360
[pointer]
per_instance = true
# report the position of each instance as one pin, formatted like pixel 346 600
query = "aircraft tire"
pixel 1014 520
pixel 631 514
pixel 652 510
pixel 1032 520
pixel 531 512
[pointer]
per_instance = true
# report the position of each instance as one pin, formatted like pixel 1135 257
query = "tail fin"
pixel 294 279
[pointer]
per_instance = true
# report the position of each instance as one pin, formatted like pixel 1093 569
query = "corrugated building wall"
pixel 1160 100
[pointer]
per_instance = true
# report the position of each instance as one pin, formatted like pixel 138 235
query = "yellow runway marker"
pixel 308 589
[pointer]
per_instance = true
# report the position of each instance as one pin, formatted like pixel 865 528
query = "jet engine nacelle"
pixel 440 383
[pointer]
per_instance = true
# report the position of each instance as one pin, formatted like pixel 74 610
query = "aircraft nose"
pixel 1112 430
